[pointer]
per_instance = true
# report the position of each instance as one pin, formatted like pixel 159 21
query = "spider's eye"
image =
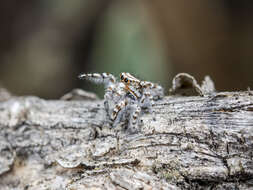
pixel 121 77
pixel 126 80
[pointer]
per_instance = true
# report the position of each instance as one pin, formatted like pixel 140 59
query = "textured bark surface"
pixel 189 143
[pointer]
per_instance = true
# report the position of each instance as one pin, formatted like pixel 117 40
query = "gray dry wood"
pixel 190 143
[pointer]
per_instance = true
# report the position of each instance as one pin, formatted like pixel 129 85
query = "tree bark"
pixel 188 143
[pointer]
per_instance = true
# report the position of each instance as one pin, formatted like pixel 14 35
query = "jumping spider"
pixel 127 99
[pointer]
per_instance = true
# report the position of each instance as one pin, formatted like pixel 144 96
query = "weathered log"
pixel 189 143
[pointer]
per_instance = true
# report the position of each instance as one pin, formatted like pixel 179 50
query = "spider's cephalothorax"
pixel 144 91
pixel 125 100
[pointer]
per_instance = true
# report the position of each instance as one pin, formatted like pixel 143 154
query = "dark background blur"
pixel 45 44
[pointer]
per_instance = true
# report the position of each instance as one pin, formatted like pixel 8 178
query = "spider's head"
pixel 124 78
pixel 129 79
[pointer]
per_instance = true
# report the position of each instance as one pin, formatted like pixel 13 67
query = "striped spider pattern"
pixel 127 99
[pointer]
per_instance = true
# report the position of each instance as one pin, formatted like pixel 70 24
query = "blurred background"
pixel 46 44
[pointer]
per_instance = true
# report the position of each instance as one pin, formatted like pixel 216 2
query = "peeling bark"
pixel 189 143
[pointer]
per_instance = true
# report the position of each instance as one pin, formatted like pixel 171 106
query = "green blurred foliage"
pixel 126 43
pixel 46 44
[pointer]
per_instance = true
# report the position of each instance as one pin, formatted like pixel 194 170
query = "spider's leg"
pixel 113 94
pixel 156 91
pixel 118 112
pixel 108 99
pixel 106 105
pixel 103 78
pixel 134 118
pixel 146 101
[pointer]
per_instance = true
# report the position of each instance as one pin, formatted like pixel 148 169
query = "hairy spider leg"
pixel 118 112
pixel 104 78
pixel 134 117
pixel 113 90
pixel 146 101
pixel 156 90
pixel 113 94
